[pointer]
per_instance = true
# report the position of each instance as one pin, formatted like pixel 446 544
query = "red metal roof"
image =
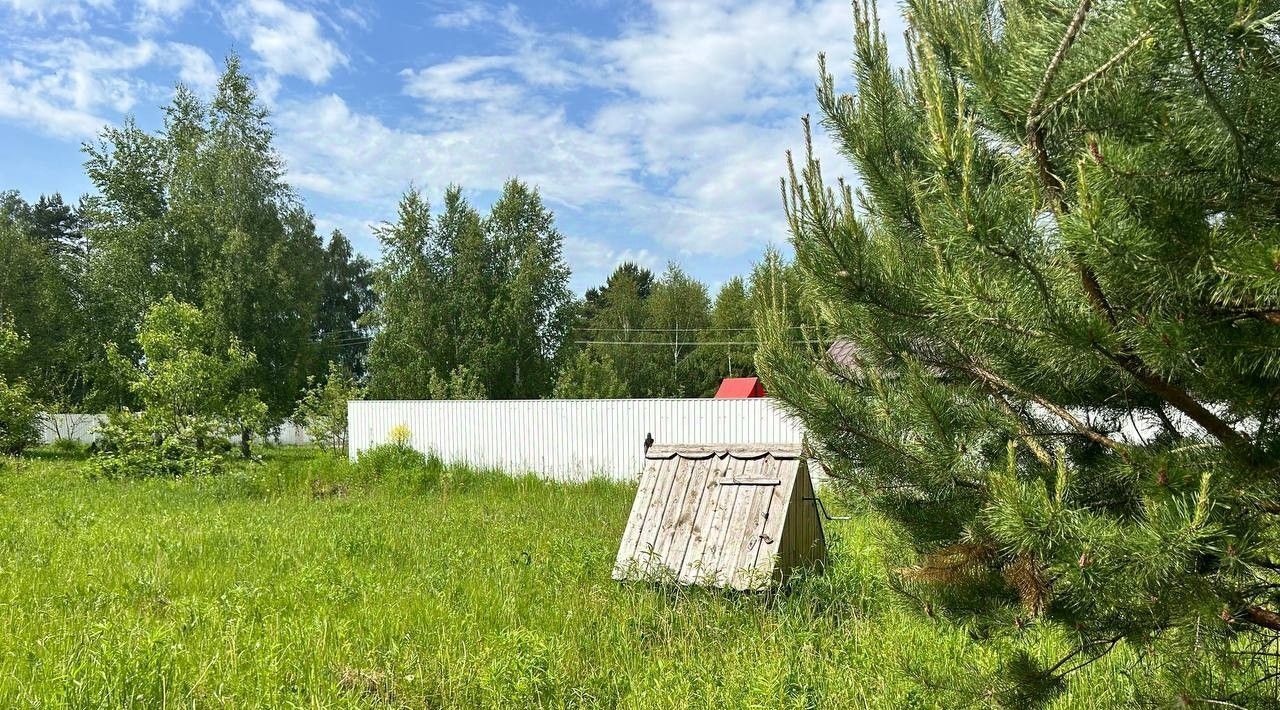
pixel 740 388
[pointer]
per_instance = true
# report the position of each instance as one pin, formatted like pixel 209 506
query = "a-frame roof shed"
pixel 734 516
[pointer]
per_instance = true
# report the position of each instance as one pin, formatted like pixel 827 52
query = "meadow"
pixel 304 581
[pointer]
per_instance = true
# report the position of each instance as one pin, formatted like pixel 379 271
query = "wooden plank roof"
pixel 721 515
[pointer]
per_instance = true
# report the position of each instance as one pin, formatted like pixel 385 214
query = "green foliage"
pixel 322 411
pixel 666 339
pixel 590 375
pixel 461 383
pixel 20 416
pixel 200 211
pixel 675 314
pixel 346 294
pixel 390 459
pixel 192 385
pixel 132 445
pixel 486 294
pixel 1056 295
pixel 41 267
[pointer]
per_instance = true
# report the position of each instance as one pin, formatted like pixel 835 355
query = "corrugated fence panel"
pixel 83 428
pixel 566 439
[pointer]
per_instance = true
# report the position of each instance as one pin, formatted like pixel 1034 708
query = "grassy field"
pixel 305 582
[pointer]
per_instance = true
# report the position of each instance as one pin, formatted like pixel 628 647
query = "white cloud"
pixel 63 87
pixel 467 15
pixel 20 101
pixel 289 41
pixel 45 9
pixel 70 88
pixel 153 16
pixel 464 79
pixel 602 257
pixel 342 153
pixel 702 100
pixel 196 68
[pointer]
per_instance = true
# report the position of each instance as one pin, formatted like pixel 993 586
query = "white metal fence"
pixel 566 439
pixel 83 428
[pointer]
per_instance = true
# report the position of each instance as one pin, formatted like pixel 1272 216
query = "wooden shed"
pixel 736 516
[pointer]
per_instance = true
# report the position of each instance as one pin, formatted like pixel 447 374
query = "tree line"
pixel 459 305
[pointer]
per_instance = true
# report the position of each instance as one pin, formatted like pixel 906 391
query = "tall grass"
pixel 307 582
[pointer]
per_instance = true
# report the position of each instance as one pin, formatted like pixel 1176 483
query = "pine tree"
pixel 1058 290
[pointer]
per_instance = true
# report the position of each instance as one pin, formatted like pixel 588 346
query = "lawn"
pixel 306 582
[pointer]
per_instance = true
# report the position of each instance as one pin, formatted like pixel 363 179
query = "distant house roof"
pixel 740 388
pixel 846 354
pixel 852 358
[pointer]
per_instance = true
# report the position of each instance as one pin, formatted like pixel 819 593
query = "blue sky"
pixel 655 129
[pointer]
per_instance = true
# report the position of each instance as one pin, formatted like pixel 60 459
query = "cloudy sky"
pixel 655 129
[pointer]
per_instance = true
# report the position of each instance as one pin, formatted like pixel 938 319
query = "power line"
pixel 691 343
pixel 676 330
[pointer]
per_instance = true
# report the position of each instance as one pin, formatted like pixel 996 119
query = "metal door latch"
pixel 823 509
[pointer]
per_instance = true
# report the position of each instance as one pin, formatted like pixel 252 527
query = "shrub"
pixel 191 383
pixel 20 418
pixel 130 445
pixel 389 459
pixel 322 411
pixel 69 448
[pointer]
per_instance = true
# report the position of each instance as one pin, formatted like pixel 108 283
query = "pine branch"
pixel 1183 402
pixel 1035 130
pixel 1023 432
pixel 1180 399
pixel 1093 75
pixel 1111 644
pixel 1074 422
pixel 1260 616
pixel 1167 422
pixel 1197 69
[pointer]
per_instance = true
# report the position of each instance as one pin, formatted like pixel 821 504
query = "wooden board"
pixel 718 515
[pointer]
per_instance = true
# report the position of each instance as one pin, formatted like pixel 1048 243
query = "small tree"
pixel 192 382
pixel 20 416
pixel 590 375
pixel 322 411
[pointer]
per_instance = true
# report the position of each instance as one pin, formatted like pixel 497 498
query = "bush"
pixel 131 446
pixel 69 448
pixel 400 464
pixel 322 411
pixel 389 459
pixel 191 380
pixel 20 418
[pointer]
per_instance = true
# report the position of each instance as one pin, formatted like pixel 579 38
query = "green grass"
pixel 304 583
